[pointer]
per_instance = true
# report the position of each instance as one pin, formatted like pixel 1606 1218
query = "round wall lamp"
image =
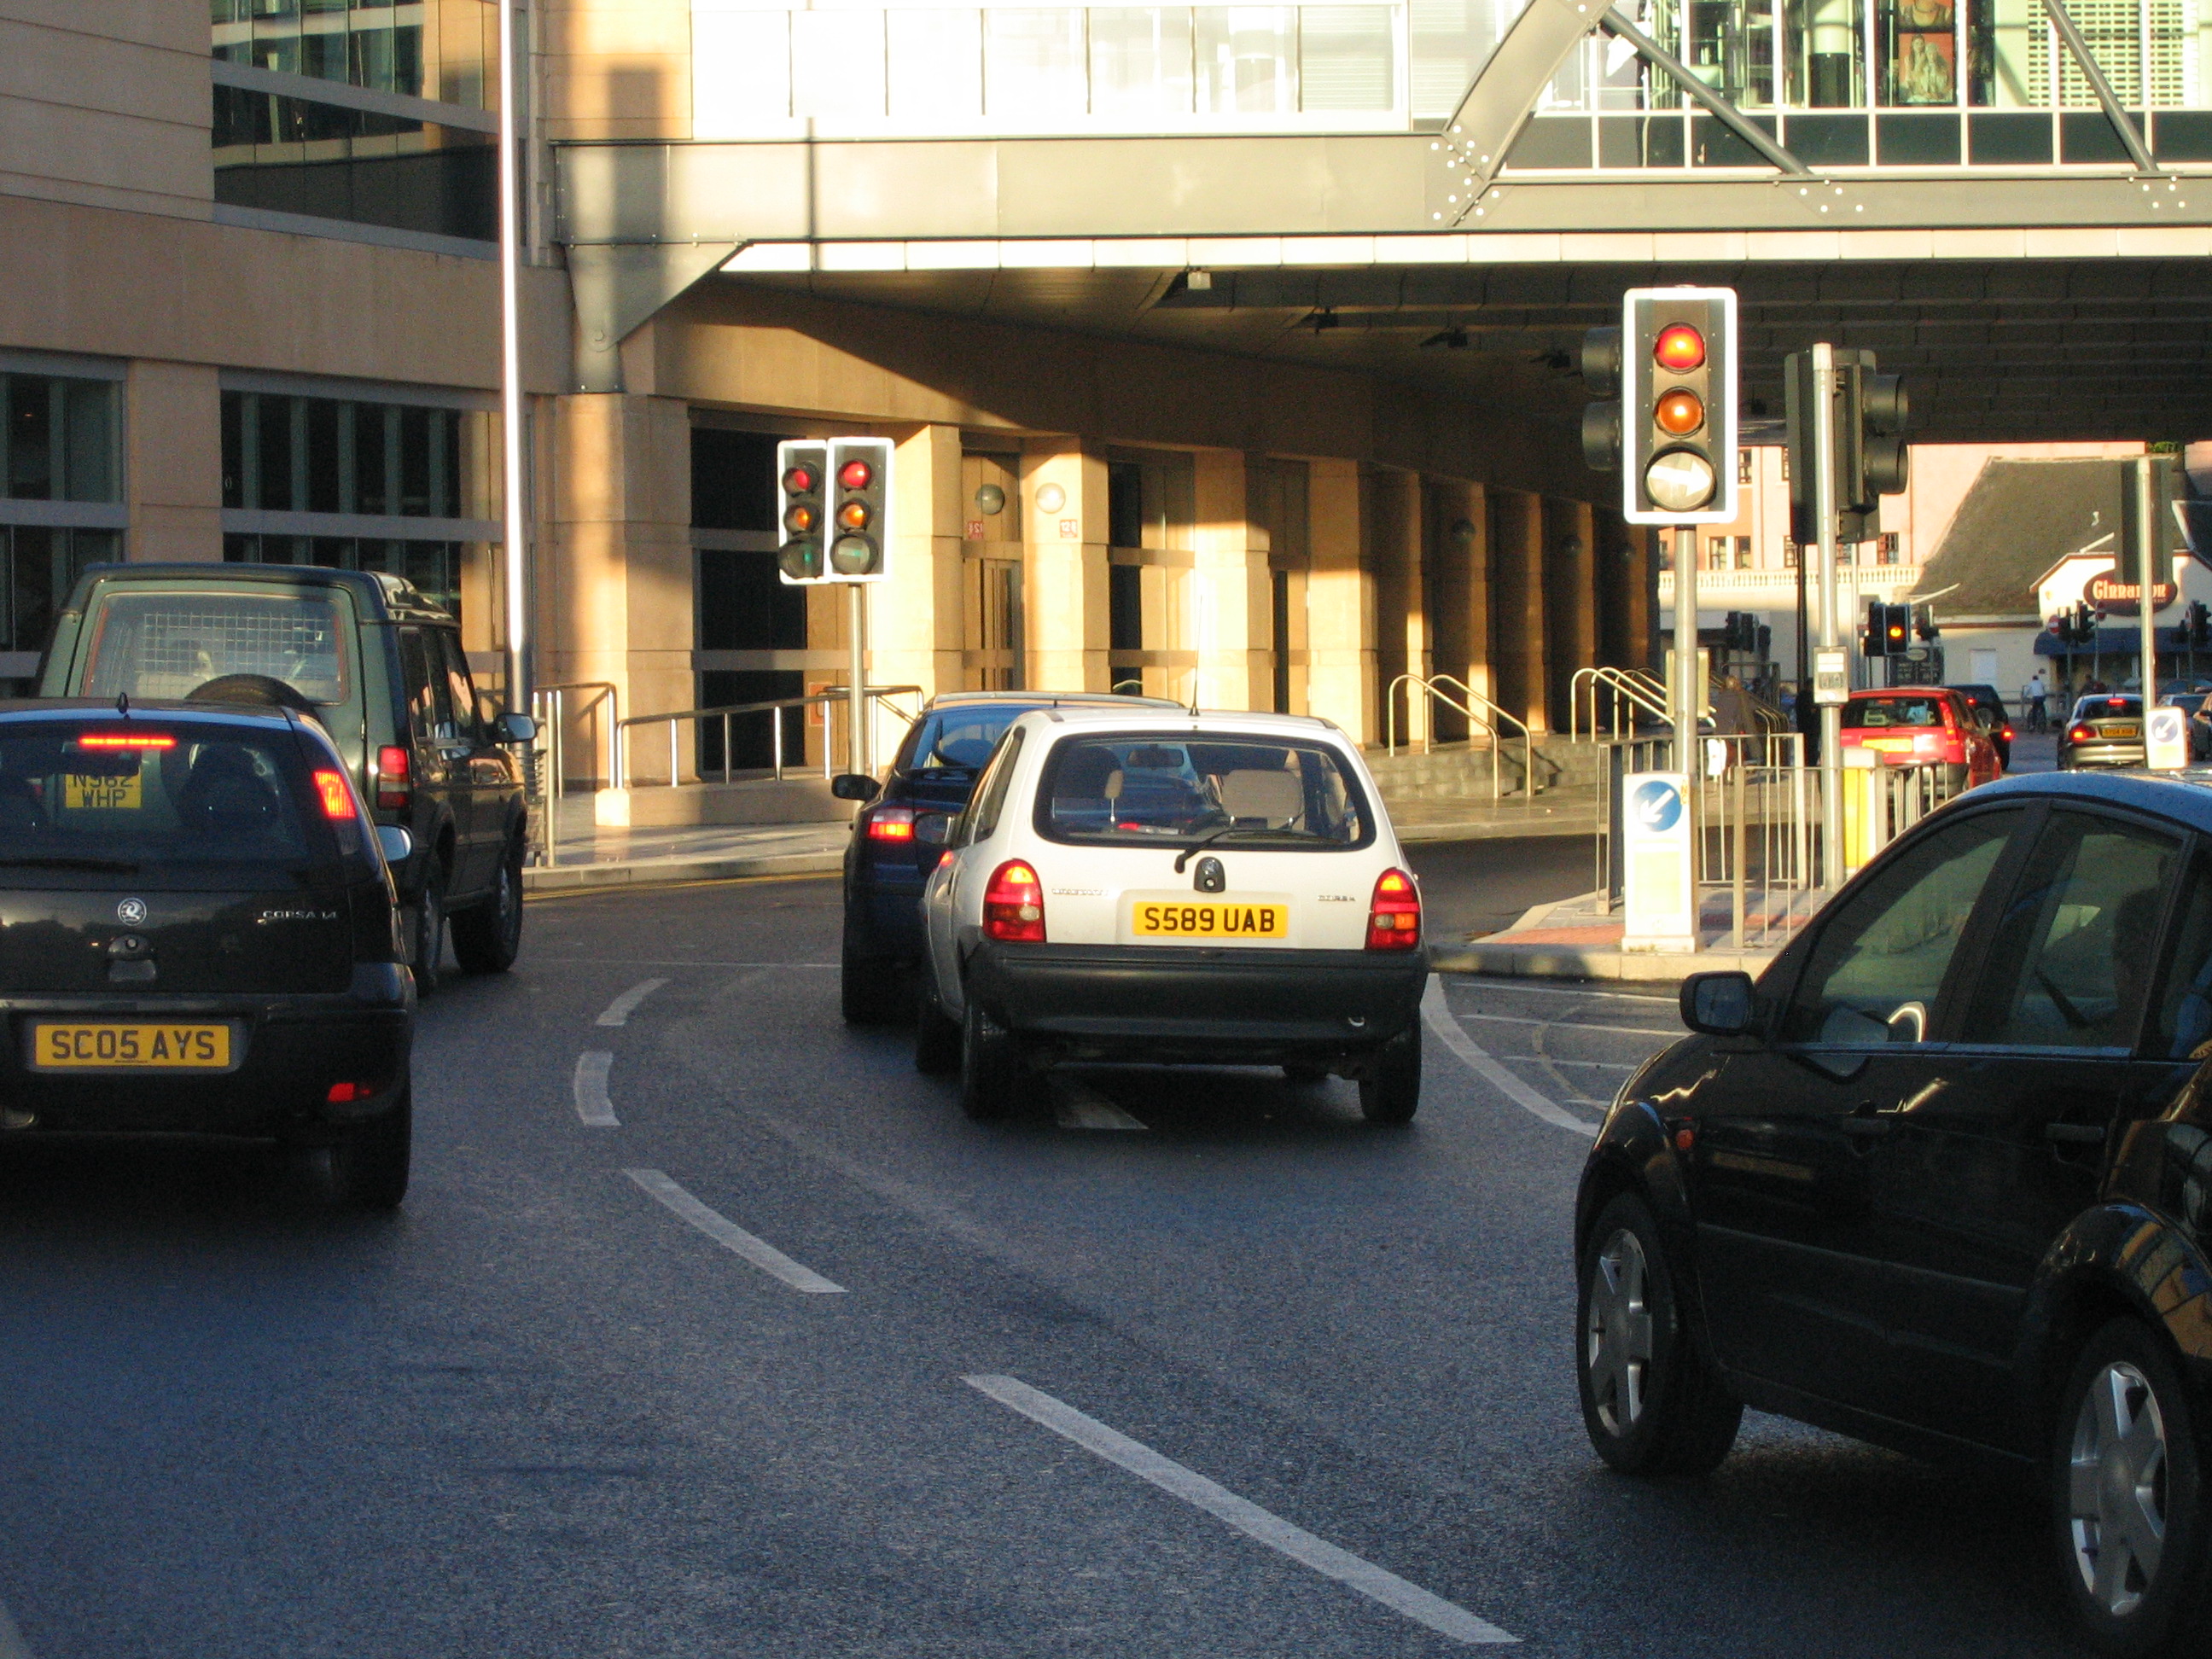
pixel 1050 498
pixel 990 499
pixel 1463 532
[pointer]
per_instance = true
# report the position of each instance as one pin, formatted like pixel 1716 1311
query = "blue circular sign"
pixel 1657 807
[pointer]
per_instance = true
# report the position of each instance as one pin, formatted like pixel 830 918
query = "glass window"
pixel 2181 1019
pixel 1878 966
pixel 1140 60
pixel 958 739
pixel 157 645
pixel 42 565
pixel 1246 59
pixel 60 439
pixel 1146 789
pixel 837 63
pixel 441 52
pixel 991 794
pixel 1036 62
pixel 741 67
pixel 467 715
pixel 1824 44
pixel 1876 713
pixel 429 696
pixel 1347 57
pixel 936 64
pixel 2068 964
pixel 434 568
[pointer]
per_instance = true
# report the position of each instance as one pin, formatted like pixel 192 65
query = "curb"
pixel 1569 962
pixel 1489 830
pixel 662 872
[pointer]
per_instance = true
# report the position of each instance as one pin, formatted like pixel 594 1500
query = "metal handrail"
pixel 1478 709
pixel 772 709
pixel 1630 685
pixel 552 701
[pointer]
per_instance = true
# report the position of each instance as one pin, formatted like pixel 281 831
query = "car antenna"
pixel 122 704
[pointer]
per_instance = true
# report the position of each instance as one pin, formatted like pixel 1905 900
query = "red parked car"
pixel 1921 725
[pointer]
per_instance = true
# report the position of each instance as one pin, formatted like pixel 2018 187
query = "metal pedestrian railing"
pixel 1627 693
pixel 880 696
pixel 1478 711
pixel 550 703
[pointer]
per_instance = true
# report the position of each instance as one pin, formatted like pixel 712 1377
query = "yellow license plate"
pixel 106 1047
pixel 1225 919
pixel 2119 731
pixel 84 794
pixel 1886 745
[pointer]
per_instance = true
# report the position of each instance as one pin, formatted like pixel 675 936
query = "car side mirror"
pixel 1719 1005
pixel 396 844
pixel 516 728
pixel 933 828
pixel 855 785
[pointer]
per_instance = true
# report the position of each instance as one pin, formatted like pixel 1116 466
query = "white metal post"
pixel 2146 534
pixel 858 627
pixel 514 518
pixel 1685 651
pixel 1824 511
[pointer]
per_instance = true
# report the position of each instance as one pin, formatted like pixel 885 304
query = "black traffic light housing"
pixel 835 503
pixel 1601 369
pixel 2198 625
pixel 1871 458
pixel 802 498
pixel 1677 358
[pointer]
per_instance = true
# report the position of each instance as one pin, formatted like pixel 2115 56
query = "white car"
pixel 1210 889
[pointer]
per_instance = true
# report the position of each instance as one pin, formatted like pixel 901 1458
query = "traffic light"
pixel 1678 409
pixel 1870 457
pixel 1600 367
pixel 1873 637
pixel 2199 625
pixel 802 496
pixel 1924 625
pixel 2085 623
pixel 1888 629
pixel 835 498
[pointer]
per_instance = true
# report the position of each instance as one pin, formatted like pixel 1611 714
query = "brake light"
pixel 125 740
pixel 891 823
pixel 342 1092
pixel 2080 734
pixel 2008 734
pixel 1394 916
pixel 337 799
pixel 394 786
pixel 1013 905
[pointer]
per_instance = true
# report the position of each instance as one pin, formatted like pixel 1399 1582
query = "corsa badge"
pixel 131 912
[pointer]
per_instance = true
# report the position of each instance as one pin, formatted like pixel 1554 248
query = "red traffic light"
pixel 1680 349
pixel 801 481
pixel 855 475
pixel 1680 412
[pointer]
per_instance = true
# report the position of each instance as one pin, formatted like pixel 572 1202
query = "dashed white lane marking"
pixel 591 1102
pixel 619 1010
pixel 1563 1026
pixel 1445 1618
pixel 1076 1105
pixel 11 1639
pixel 1438 1017
pixel 731 1237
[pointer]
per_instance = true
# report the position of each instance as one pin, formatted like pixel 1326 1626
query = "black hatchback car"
pixel 380 668
pixel 1942 1180
pixel 886 862
pixel 199 939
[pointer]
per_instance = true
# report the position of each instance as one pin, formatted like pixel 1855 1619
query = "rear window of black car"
pixel 956 741
pixel 127 794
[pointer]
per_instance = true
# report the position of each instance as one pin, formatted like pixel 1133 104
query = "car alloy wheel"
pixel 1617 1338
pixel 2117 1488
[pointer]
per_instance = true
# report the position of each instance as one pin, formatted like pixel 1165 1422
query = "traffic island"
pixel 1581 938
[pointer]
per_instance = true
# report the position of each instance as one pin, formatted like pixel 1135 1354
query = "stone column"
pixel 1064 587
pixel 1341 633
pixel 172 461
pixel 1394 551
pixel 1517 523
pixel 1570 601
pixel 915 617
pixel 1232 618
pixel 617 573
pixel 1459 586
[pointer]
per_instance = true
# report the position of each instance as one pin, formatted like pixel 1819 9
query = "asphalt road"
pixel 1181 1364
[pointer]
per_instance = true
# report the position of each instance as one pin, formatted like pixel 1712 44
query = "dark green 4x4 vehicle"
pixel 382 670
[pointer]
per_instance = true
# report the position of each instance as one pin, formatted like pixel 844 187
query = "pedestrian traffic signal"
pixel 802 473
pixel 1675 429
pixel 835 499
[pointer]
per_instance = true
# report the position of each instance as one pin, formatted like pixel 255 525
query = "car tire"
pixel 1390 1084
pixel 427 951
pixel 990 1066
pixel 1652 1403
pixel 936 1035
pixel 869 989
pixel 488 937
pixel 366 1171
pixel 2125 1460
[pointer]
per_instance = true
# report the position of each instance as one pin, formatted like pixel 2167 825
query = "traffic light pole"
pixel 1823 511
pixel 1686 655
pixel 856 625
pixel 2147 532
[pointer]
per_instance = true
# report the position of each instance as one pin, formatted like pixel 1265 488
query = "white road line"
pixel 1567 1024
pixel 726 1233
pixel 1445 1618
pixel 1076 1105
pixel 619 1010
pixel 591 1102
pixel 1438 1016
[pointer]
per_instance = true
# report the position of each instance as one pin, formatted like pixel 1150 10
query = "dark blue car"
pixel 885 865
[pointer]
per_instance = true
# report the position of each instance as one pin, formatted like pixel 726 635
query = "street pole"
pixel 1824 513
pixel 1685 654
pixel 856 626
pixel 2147 537
pixel 514 517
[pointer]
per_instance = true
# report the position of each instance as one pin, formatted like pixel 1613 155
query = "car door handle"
pixel 2074 1134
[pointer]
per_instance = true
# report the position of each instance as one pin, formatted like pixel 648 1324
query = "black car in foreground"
pixel 886 863
pixel 1941 1179
pixel 199 940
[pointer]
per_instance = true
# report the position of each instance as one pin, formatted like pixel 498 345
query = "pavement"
pixel 586 856
pixel 779 1356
